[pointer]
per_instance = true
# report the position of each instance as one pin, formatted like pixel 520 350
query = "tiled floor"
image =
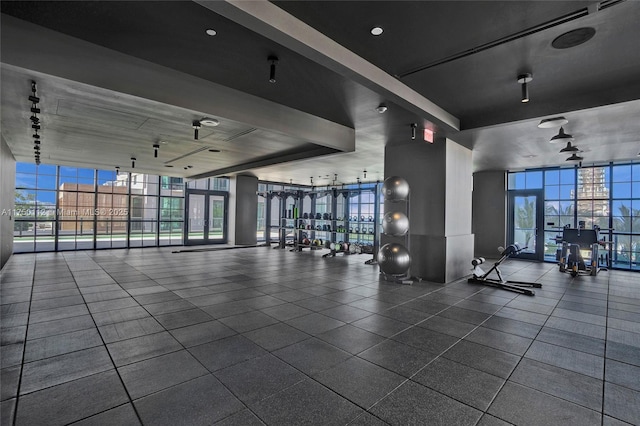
pixel 262 336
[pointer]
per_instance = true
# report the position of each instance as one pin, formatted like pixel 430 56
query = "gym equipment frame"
pixel 481 277
pixel 575 240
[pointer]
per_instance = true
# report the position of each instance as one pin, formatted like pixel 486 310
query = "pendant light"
pixel 561 137
pixel 574 157
pixel 569 148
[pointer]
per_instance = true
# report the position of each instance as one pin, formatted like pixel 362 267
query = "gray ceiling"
pixel 116 77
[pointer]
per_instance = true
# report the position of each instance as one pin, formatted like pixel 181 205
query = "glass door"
pixel 206 221
pixel 526 216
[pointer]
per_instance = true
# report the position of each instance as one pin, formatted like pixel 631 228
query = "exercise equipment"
pixel 481 277
pixel 575 241
pixel 395 188
pixel 394 259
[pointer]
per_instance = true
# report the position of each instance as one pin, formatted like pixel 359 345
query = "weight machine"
pixel 574 242
pixel 481 277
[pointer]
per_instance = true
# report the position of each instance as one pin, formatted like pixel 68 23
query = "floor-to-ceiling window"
pixel 69 208
pixel 607 196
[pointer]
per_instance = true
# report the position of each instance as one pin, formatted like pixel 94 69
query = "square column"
pixel 243 210
pixel 440 181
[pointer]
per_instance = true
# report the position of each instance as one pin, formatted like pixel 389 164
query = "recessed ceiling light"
pixel 168 165
pixel 381 108
pixel 211 32
pixel 549 123
pixel 214 150
pixel 376 31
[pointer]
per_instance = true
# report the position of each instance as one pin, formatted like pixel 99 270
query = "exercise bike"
pixel 481 277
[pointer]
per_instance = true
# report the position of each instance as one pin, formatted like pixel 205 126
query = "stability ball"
pixel 394 259
pixel 395 188
pixel 395 223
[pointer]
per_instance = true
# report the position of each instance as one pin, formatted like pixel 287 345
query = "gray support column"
pixel 440 179
pixel 243 210
pixel 7 200
pixel 489 212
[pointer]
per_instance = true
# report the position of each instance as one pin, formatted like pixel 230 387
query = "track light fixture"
pixel 524 79
pixel 117 170
pixel 311 179
pixel 196 126
pixel 272 68
pixel 569 148
pixel 364 174
pixel 561 137
pixel 133 162
pixel 156 147
pixel 414 126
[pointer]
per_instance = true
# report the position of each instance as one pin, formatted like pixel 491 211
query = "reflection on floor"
pixel 263 336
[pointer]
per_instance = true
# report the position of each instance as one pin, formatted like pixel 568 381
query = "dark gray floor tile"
pixel 565 384
pixel 258 378
pixel 397 357
pixel 580 316
pixel 148 299
pixel 346 313
pixel 312 356
pixel 224 310
pixel 465 384
pixel 360 381
pixel 7 411
pixel 566 358
pixel 381 325
pixel 426 305
pixel 248 321
pixel 201 401
pixel 9 383
pixel 262 302
pixel 71 401
pixel 317 304
pixel 520 315
pixel 539 409
pixel 61 344
pixel 409 316
pixel 314 323
pixel 484 358
pixel 351 339
pixel 57 313
pixel 622 374
pixel 371 305
pixel 570 340
pixel 241 418
pixel 105 295
pixel 120 315
pixel 14 320
pixel 488 420
pixel 226 352
pixel 498 340
pixel 129 329
pixel 201 333
pixel 286 312
pixel 58 302
pixel 427 340
pixel 622 403
pixel 475 305
pixel 464 315
pixel 12 335
pixel 143 347
pixel 447 326
pixel 367 419
pixel 343 297
pixel 306 403
pixel 578 327
pixel 583 307
pixel 414 404
pixel 292 295
pixel 610 421
pixel 61 326
pixel 628 351
pixel 64 368
pixel 155 374
pixel 110 305
pixel 183 318
pixel 168 306
pixel 119 416
pixel 276 336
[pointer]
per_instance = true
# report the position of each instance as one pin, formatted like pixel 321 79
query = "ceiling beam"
pixel 268 20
